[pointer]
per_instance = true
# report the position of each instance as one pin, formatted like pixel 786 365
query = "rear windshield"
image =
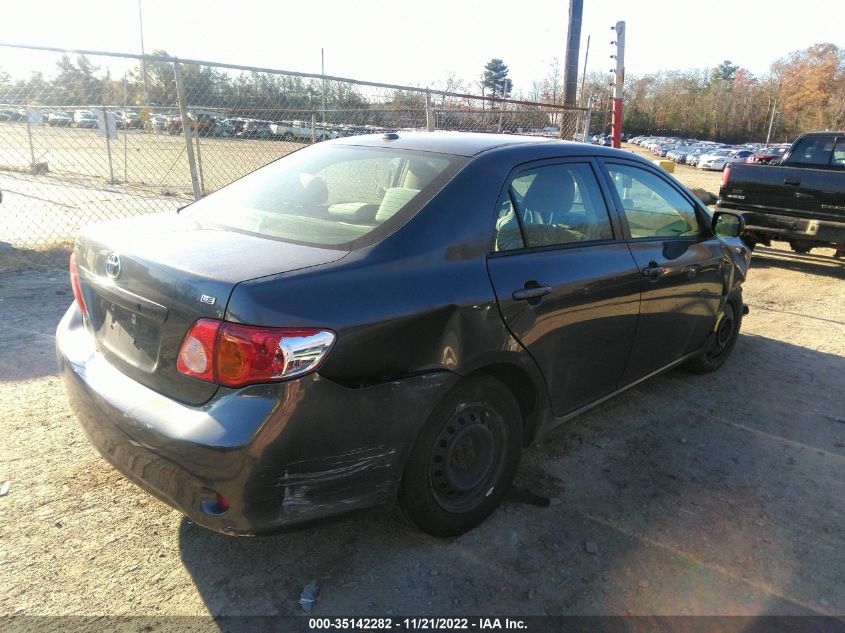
pixel 813 150
pixel 331 196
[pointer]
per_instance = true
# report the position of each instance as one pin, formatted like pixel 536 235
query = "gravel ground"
pixel 717 494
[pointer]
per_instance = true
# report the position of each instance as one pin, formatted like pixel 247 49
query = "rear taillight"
pixel 196 355
pixel 726 174
pixel 235 355
pixel 74 284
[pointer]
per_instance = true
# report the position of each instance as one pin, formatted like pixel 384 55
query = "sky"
pixel 424 41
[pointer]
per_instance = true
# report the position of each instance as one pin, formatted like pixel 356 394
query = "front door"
pixel 567 288
pixel 681 266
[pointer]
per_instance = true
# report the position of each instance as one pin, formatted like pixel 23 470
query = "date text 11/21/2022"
pixel 418 624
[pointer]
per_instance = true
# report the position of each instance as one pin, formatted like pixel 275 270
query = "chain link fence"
pixel 109 136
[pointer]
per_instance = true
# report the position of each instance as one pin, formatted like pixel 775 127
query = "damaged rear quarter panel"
pixel 338 449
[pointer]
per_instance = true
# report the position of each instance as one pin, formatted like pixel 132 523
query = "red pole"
pixel 617 123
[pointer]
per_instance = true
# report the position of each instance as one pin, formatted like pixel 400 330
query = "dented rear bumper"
pixel 282 454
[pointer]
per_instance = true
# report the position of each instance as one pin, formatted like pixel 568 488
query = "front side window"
pixel 329 196
pixel 557 204
pixel 652 206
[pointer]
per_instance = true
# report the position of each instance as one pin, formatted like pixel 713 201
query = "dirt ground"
pixel 717 494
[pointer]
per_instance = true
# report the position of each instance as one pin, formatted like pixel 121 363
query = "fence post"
pixel 199 162
pixel 186 129
pixel 313 128
pixel 430 121
pixel 108 142
pixel 125 136
pixel 29 135
pixel 587 116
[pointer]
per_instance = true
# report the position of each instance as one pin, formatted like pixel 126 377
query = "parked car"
pixel 800 201
pixel 715 160
pixel 696 154
pixel 202 124
pixel 85 119
pixel 238 124
pixel 131 119
pixel 9 114
pixel 224 128
pixel 301 131
pixel 343 338
pixel 255 129
pixel 719 159
pixel 159 123
pixel 768 155
pixel 60 119
pixel 282 130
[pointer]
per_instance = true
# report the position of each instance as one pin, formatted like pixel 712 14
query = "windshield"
pixel 333 196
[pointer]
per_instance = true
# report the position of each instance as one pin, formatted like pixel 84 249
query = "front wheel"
pixel 722 340
pixel 464 459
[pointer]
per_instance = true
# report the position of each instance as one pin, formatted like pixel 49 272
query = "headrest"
pixel 419 175
pixel 394 199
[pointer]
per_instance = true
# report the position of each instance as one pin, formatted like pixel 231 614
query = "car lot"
pixel 689 494
pixel 706 155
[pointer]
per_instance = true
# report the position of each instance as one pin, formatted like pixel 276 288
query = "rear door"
pixel 816 183
pixel 680 262
pixel 567 286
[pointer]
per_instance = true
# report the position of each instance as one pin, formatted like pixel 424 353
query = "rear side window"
pixel 556 205
pixel 329 195
pixel 653 208
pixel 813 150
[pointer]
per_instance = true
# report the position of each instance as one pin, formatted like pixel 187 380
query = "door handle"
pixel 792 181
pixel 653 271
pixel 532 292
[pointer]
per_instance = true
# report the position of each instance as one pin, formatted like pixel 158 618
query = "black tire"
pixel 464 459
pixel 802 248
pixel 722 340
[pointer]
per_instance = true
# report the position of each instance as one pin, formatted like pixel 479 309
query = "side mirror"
pixel 727 224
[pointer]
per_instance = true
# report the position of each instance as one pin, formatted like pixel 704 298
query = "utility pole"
pixel 618 83
pixel 584 73
pixel 772 120
pixel 143 60
pixel 573 45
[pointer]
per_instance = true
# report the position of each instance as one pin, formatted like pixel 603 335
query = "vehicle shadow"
pixel 803 263
pixel 687 495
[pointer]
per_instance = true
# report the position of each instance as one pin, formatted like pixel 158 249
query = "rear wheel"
pixel 722 340
pixel 464 459
pixel 801 247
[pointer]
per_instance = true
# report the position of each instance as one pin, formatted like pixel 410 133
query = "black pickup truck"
pixel 801 200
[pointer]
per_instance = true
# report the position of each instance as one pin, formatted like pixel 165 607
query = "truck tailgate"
pixel 787 191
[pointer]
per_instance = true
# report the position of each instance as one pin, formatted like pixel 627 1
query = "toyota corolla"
pixel 387 319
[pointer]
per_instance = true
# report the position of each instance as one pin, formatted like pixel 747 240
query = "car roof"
pixel 444 142
pixel 822 133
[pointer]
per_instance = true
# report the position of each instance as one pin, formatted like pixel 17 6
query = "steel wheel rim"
pixel 724 332
pixel 465 460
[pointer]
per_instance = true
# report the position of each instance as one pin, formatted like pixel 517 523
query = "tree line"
pixel 803 90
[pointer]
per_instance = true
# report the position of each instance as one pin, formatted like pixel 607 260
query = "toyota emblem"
pixel 113 265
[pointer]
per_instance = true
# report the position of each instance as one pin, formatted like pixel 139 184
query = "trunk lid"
pixel 147 280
